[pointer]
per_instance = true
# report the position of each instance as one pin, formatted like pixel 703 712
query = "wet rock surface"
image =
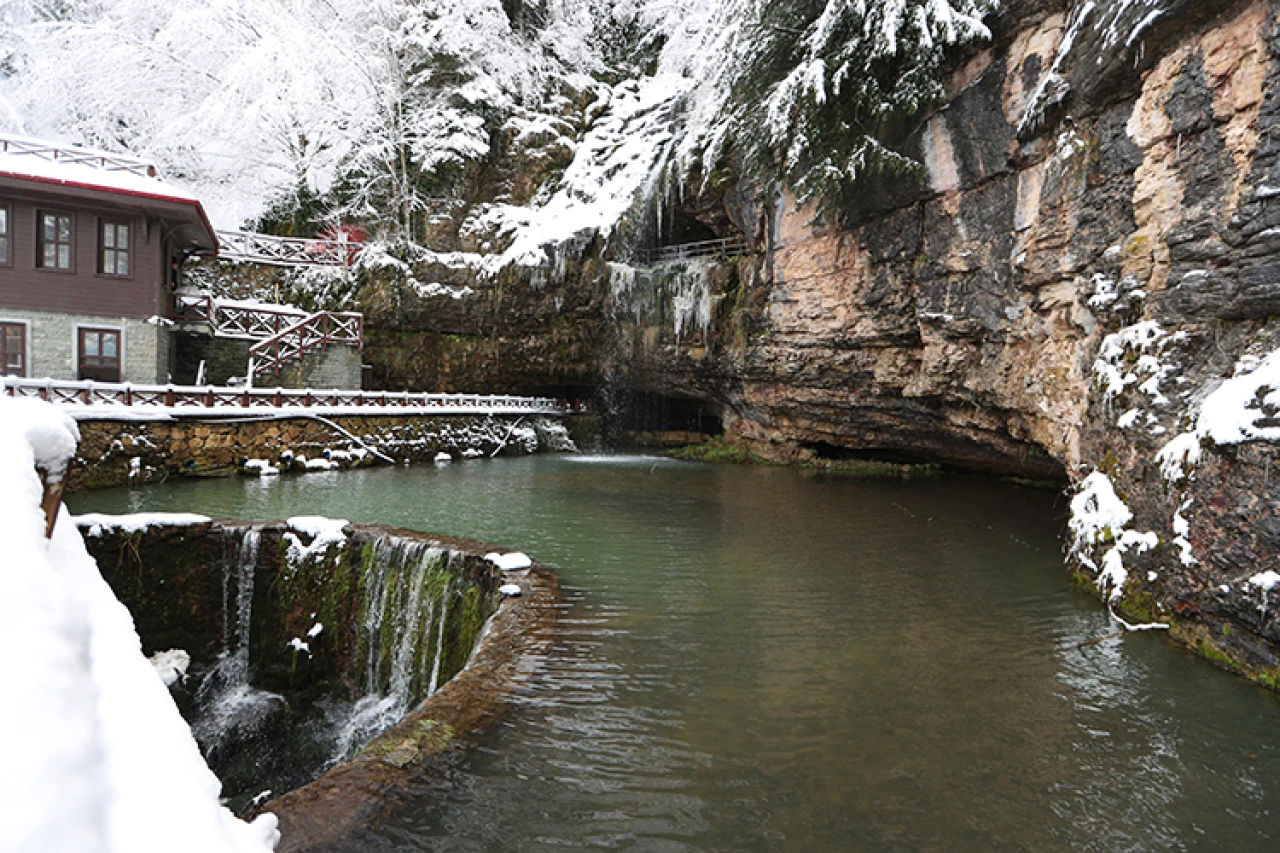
pixel 301 651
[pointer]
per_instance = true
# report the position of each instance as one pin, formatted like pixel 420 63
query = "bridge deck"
pixel 103 398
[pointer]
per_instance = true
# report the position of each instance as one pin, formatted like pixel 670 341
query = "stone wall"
pixel 223 358
pixel 52 344
pixel 337 366
pixel 122 452
pixel 266 688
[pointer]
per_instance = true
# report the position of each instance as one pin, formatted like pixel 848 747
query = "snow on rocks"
pixel 323 533
pixel 96 757
pixel 96 524
pixel 171 666
pixel 1099 517
pixel 261 467
pixel 1263 582
pixel 510 590
pixel 1242 408
pixel 510 562
pixel 1143 343
pixel 1181 530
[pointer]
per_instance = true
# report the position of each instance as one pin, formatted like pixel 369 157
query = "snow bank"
pixel 96 756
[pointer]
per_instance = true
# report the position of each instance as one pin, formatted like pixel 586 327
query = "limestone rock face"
pixel 1095 247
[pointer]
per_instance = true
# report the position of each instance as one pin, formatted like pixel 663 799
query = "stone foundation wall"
pixel 52 345
pixel 115 453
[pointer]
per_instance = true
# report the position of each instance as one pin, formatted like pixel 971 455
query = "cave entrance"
pixel 633 418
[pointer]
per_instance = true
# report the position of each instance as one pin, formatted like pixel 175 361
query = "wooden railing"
pixel 196 398
pixel 286 251
pixel 314 332
pixel 70 154
pixel 704 249
pixel 233 320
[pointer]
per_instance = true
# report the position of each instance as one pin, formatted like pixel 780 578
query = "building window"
pixel 54 238
pixel 100 355
pixel 4 236
pixel 13 348
pixel 114 259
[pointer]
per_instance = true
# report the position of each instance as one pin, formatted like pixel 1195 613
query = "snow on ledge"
pixel 509 562
pixel 99 524
pixel 322 531
pixel 1234 412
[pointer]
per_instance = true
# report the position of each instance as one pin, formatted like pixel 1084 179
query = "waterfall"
pixel 408 592
pixel 407 615
pixel 230 710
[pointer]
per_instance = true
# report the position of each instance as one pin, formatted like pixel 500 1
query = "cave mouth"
pixel 635 418
pixel 1034 466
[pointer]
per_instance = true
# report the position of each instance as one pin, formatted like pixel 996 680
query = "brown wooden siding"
pixel 83 290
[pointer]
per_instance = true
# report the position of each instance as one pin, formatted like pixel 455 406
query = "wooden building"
pixel 91 248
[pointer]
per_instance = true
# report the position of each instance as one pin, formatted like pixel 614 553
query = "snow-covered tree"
pixel 818 85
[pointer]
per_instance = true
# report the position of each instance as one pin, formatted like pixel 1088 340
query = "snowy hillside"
pixel 392 112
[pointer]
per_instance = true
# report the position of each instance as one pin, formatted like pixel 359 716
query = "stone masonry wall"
pixel 125 452
pixel 52 345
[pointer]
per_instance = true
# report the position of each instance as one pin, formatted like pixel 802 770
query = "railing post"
pixel 168 396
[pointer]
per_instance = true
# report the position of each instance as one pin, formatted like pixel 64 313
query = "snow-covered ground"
pixel 96 758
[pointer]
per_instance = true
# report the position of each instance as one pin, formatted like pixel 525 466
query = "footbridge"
pixel 111 399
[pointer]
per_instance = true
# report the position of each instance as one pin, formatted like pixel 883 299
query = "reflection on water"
pixel 751 659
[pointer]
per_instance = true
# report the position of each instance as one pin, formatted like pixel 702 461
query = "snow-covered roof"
pixel 52 162
pixel 55 163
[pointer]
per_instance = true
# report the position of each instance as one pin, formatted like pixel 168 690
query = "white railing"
pixel 726 247
pixel 314 332
pixel 232 320
pixel 287 251
pixel 57 153
pixel 89 393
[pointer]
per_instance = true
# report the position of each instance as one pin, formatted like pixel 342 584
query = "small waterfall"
pixel 407 615
pixel 409 596
pixel 230 709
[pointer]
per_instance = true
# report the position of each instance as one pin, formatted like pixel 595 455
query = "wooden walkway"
pixel 723 248
pixel 194 400
pixel 286 251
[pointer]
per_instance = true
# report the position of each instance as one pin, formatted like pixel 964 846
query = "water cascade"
pixel 229 711
pixel 408 597
pixel 302 651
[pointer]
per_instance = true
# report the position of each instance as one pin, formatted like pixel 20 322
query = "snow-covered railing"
pixel 235 319
pixel 70 154
pixel 314 332
pixel 89 393
pixel 287 251
pixel 704 249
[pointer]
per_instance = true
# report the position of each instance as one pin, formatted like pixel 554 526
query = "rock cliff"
pixel 1077 286
pixel 1091 259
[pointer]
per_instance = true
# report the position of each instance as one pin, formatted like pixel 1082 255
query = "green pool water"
pixel 751 659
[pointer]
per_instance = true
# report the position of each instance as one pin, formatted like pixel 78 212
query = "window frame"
pixel 6 235
pixel 118 332
pixel 25 326
pixel 41 243
pixel 104 223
